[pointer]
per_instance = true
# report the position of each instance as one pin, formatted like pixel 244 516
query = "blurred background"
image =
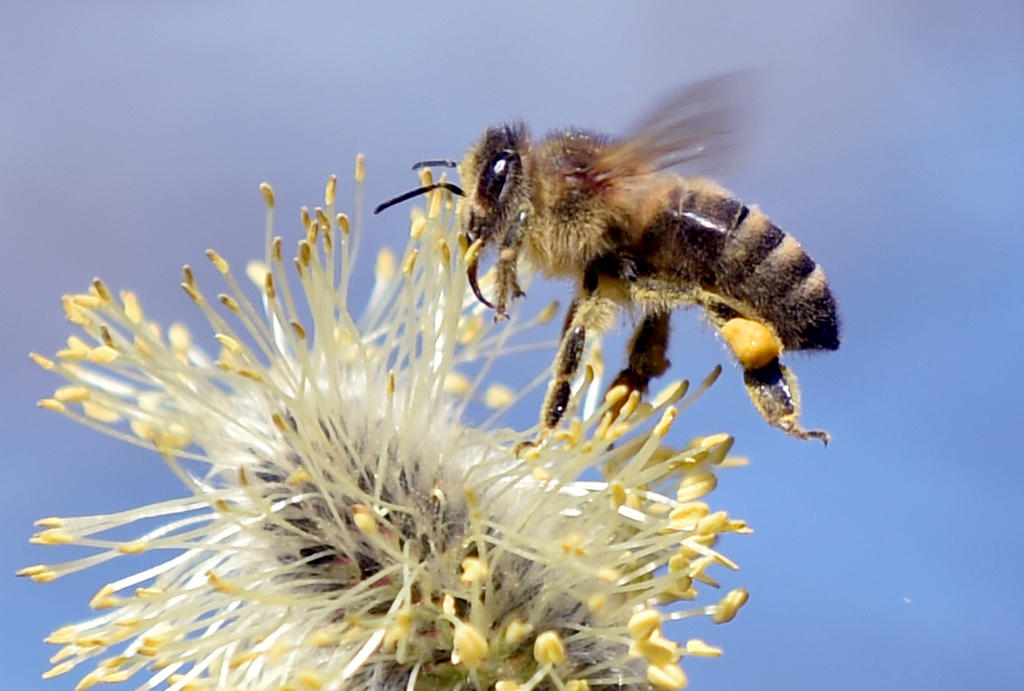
pixel 886 138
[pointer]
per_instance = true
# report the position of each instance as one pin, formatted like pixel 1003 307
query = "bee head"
pixel 495 183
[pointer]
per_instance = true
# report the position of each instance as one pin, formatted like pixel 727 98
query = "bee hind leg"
pixel 774 392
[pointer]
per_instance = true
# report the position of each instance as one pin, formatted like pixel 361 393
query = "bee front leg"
pixel 506 279
pixel 646 356
pixel 588 316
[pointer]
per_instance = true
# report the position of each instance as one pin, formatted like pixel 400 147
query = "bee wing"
pixel 701 120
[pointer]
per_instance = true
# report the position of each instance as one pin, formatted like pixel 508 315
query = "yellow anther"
pixel 469 647
pixel 548 313
pixel 148 591
pixel 470 328
pixel 541 474
pixel 729 605
pixel 268 194
pixel 133 547
pixel 101 290
pixel 516 631
pixel 220 585
pixel 713 440
pixel 498 396
pixel 104 598
pixel 57 670
pixel 573 544
pixel 310 680
pixel 678 562
pixel 419 224
pixel 384 268
pixel 86 301
pixel 712 523
pixel 548 648
pixel 219 262
pixel 298 476
pixel 409 262
pixel 609 574
pixel 360 167
pixel 656 650
pixel 90 680
pixel 45 363
pixel 577 685
pixel 228 302
pixel 667 418
pixel 343 223
pixel 695 486
pixel 596 601
pixel 448 604
pixel 617 492
pixel 400 627
pixel 699 648
pixel 52 536
pixel 364 519
pixel 667 676
pixel 644 623
pixel 434 203
pixel 229 342
pixel 474 570
pixel 630 405
pixel 687 515
pixel 330 190
pixel 506 685
pixel 71 394
pixel 616 393
pixel 102 355
pixel 256 272
pixel 455 383
pixel 132 308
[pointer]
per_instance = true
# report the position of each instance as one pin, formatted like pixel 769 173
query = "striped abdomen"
pixel 711 239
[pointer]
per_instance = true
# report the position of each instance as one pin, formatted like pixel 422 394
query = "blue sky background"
pixel 887 138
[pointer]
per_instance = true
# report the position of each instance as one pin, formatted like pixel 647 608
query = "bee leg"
pixel 589 315
pixel 646 357
pixel 772 387
pixel 774 392
pixel 506 281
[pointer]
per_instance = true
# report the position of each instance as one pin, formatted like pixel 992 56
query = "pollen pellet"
pixel 753 344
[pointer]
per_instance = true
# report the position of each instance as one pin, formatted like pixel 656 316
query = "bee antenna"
pixel 454 189
pixel 439 162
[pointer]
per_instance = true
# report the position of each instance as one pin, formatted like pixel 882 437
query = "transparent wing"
pixel 699 121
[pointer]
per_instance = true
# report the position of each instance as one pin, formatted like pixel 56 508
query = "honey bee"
pixel 607 215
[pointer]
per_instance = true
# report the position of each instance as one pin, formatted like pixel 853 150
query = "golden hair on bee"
pixel 607 215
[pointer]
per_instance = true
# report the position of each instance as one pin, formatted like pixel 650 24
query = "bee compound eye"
pixel 495 178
